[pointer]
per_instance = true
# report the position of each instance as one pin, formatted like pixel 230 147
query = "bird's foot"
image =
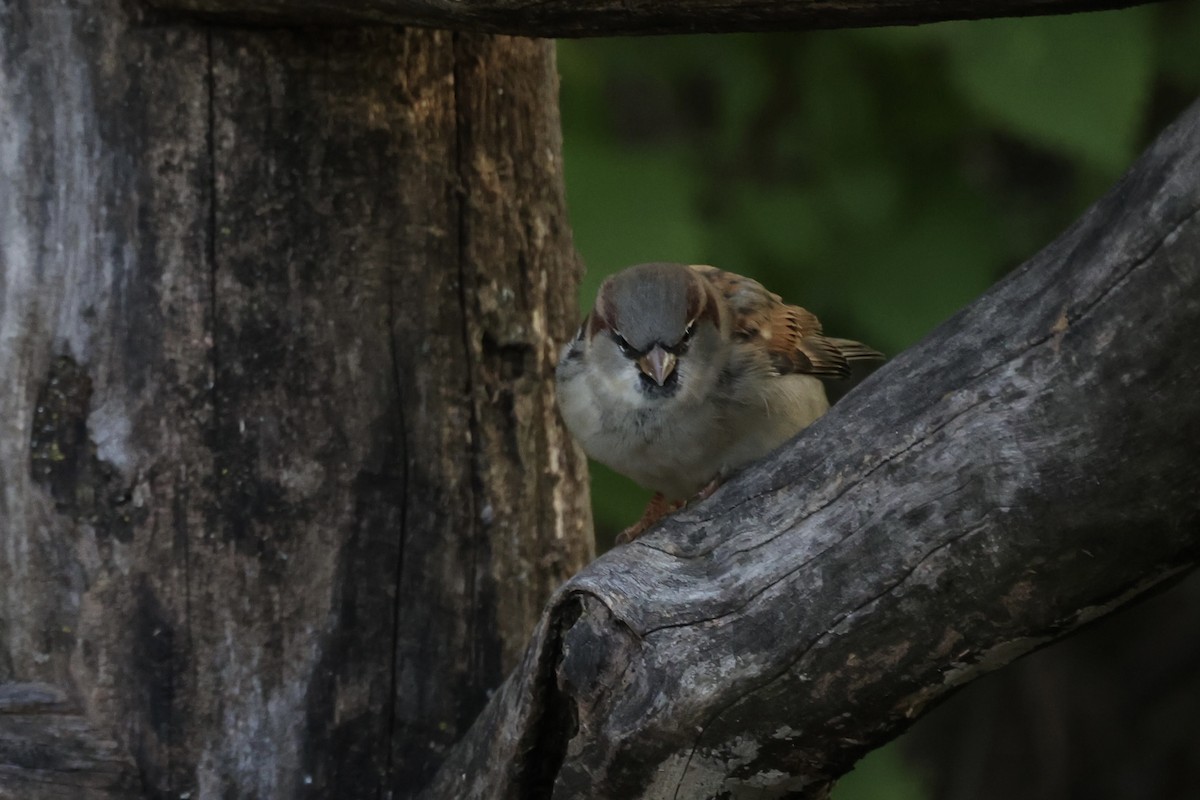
pixel 708 490
pixel 658 507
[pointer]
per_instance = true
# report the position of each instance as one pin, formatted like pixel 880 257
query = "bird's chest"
pixel 672 450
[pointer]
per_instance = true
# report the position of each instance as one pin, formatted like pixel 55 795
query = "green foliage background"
pixel 881 177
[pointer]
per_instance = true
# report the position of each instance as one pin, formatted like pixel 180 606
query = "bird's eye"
pixel 685 340
pixel 625 347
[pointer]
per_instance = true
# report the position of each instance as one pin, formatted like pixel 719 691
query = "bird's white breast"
pixel 679 444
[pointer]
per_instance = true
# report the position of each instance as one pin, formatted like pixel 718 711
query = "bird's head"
pixel 657 329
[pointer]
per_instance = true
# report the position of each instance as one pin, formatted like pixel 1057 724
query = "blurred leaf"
pixel 743 82
pixel 941 255
pixel 1077 83
pixel 629 206
pixel 867 192
pixel 881 775
pixel 903 39
pixel 840 111
pixel 785 221
pixel 1179 32
pixel 618 503
pixel 583 75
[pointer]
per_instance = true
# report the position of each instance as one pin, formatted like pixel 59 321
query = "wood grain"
pixel 283 489
pixel 568 18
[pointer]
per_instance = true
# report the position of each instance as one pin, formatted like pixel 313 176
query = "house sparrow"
pixel 682 374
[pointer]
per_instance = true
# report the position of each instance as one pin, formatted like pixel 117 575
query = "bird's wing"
pixel 792 335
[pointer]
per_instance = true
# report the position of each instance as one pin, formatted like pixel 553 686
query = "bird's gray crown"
pixel 649 303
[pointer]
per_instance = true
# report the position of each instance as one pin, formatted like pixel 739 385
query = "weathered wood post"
pixel 283 490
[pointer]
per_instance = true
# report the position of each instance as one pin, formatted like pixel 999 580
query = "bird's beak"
pixel 657 364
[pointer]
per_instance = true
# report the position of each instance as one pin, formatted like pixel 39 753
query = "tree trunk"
pixel 283 485
pixel 1027 468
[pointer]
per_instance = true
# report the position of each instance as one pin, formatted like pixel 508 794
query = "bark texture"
pixel 571 18
pixel 1030 466
pixel 283 487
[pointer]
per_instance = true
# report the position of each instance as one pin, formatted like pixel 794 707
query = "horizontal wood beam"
pixel 1027 468
pixel 580 18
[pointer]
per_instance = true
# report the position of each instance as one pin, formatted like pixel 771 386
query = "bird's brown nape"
pixel 602 314
pixel 707 304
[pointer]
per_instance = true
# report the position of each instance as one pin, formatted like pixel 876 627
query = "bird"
pixel 682 374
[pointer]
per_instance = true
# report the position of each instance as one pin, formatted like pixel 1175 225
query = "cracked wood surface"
pixel 277 313
pixel 572 18
pixel 1030 466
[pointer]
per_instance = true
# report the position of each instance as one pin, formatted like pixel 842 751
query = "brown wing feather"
pixel 794 342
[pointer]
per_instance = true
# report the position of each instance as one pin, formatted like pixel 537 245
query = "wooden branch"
pixel 568 18
pixel 1027 468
